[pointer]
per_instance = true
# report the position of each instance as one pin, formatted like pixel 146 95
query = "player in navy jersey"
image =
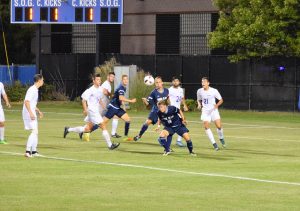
pixel 158 94
pixel 173 121
pixel 114 107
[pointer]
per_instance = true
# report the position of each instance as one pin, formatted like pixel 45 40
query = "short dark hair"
pixel 175 78
pixel 111 73
pixel 163 102
pixel 96 75
pixel 205 78
pixel 37 77
pixel 158 77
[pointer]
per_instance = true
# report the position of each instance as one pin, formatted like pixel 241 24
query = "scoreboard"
pixel 67 11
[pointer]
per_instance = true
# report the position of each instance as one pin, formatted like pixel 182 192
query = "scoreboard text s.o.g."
pixel 67 11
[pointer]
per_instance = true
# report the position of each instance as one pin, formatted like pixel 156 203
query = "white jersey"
pixel 176 96
pixel 32 95
pixel 93 95
pixel 208 98
pixel 2 92
pixel 106 85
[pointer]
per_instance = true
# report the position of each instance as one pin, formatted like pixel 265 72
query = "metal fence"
pixel 253 84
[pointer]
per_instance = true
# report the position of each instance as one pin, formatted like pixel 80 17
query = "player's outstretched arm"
pixel 124 99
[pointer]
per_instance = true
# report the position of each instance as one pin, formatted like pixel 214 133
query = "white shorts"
pixel 212 115
pixel 30 124
pixel 94 117
pixel 2 117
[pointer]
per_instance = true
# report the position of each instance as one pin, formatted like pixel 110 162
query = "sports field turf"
pixel 263 151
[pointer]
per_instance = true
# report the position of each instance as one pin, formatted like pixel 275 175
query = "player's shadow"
pixel 140 152
pixel 255 152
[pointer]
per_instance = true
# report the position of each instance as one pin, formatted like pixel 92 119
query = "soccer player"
pixel 2 117
pixel 114 107
pixel 158 94
pixel 29 115
pixel 176 96
pixel 107 86
pixel 174 122
pixel 206 98
pixel 90 103
pixel 107 92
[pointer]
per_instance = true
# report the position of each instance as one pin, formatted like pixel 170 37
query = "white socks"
pixel 179 138
pixel 76 129
pixel 106 136
pixel 1 133
pixel 220 133
pixel 114 126
pixel 210 136
pixel 32 142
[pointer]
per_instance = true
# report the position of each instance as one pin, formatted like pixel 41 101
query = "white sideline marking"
pixel 161 169
pixel 198 122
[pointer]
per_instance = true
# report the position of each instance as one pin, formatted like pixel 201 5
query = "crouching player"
pixel 174 122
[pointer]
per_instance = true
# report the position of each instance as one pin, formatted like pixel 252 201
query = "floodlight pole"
pixel 38 47
pixel 97 59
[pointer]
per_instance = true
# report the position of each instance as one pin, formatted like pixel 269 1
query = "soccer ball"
pixel 149 80
pixel 86 137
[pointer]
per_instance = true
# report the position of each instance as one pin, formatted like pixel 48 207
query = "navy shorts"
pixel 180 130
pixel 111 112
pixel 153 117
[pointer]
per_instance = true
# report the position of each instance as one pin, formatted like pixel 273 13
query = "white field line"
pixel 160 169
pixel 197 122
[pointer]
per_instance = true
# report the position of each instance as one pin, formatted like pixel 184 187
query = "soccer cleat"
pixel 136 138
pixel 180 144
pixel 3 142
pixel 36 155
pixel 80 135
pixel 193 154
pixel 223 143
pixel 116 136
pixel 66 131
pixel 28 155
pixel 166 153
pixel 216 147
pixel 114 146
pixel 86 137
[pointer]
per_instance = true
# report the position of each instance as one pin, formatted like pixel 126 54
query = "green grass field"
pixel 77 175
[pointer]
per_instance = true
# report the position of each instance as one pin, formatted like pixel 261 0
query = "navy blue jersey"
pixel 170 118
pixel 120 91
pixel 156 97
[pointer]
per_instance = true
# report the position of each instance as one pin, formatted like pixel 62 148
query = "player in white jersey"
pixel 176 97
pixel 29 115
pixel 90 103
pixel 108 91
pixel 206 98
pixel 2 117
